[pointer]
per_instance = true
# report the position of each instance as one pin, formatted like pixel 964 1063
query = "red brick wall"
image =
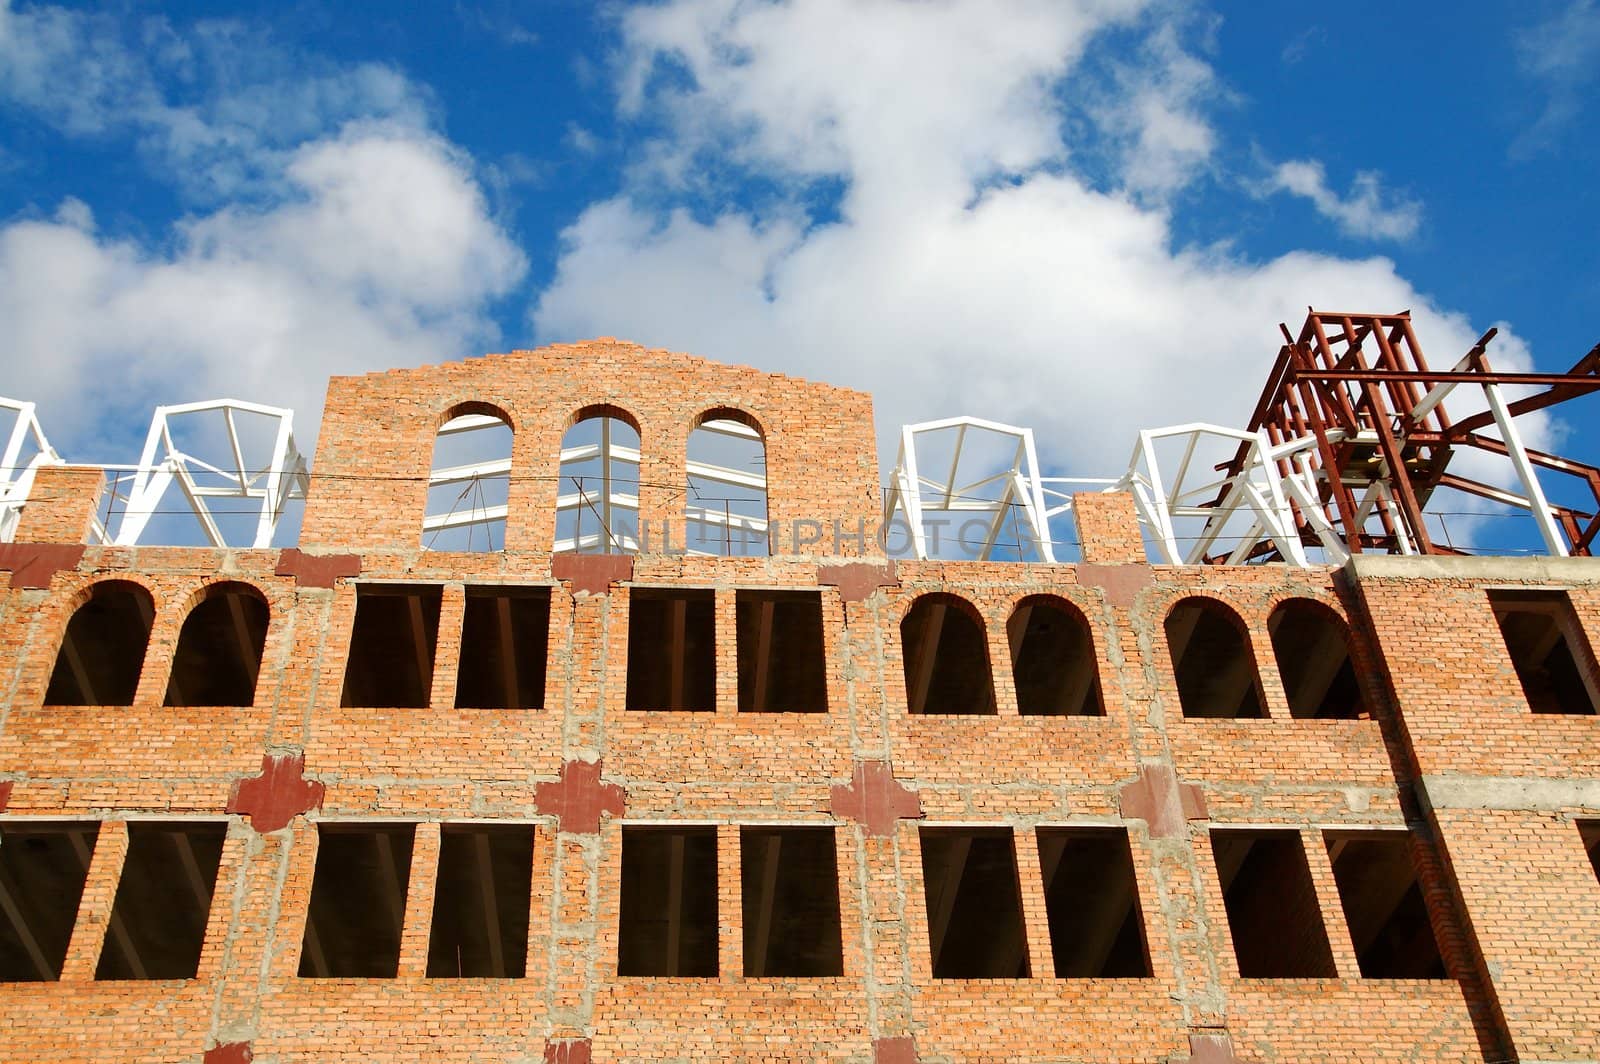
pixel 1511 896
pixel 369 484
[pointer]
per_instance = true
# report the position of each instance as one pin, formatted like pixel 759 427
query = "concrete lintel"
pixel 1448 791
pixel 1541 568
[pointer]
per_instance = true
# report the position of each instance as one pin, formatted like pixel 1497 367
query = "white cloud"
pixel 365 240
pixel 1366 212
pixel 1562 53
pixel 968 267
pixel 217 107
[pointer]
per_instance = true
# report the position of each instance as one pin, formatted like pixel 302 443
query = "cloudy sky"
pixel 1087 216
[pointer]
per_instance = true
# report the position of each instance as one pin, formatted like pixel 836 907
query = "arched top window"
pixel 1052 659
pixel 103 650
pixel 1211 660
pixel 946 657
pixel 470 482
pixel 597 495
pixel 1311 643
pixel 219 648
pixel 725 510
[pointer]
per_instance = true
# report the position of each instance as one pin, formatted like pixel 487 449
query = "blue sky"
pixel 1085 217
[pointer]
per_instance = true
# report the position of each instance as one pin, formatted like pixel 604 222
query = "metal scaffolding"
pixel 227 467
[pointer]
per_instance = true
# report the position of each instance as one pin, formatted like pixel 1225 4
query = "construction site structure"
pixel 722 779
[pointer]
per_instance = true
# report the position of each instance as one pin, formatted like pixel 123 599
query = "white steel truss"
pixel 993 471
pixel 26 450
pixel 266 481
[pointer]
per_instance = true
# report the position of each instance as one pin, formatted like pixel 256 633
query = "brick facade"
pixel 1490 796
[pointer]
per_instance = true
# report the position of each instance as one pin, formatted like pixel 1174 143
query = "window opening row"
pixel 668 904
pixel 598 485
pixel 780 653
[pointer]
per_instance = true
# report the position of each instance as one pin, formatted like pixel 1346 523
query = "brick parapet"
pixel 63 501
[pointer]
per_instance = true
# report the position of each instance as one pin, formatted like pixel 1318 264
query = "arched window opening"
pixel 725 512
pixel 946 658
pixel 597 499
pixel 471 481
pixel 103 651
pixel 1211 659
pixel 219 648
pixel 1052 660
pixel 1312 646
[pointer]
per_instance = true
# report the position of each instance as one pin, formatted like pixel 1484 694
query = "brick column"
pixel 1005 686
pixel 61 505
pixel 266 924
pixel 727 652
pixel 730 905
pixel 420 887
pixel 447 646
pixel 1345 961
pixel 1035 917
pixel 94 910
pixel 1108 528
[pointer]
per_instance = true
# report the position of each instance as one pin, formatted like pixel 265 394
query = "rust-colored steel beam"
pixel 1358 384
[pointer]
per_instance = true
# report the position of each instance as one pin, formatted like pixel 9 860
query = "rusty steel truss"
pixel 1355 425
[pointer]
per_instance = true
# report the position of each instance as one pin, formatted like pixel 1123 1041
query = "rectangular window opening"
pixel 789 879
pixel 1092 901
pixel 1547 648
pixel 158 919
pixel 974 904
pixel 43 867
pixel 505 633
pixel 782 666
pixel 668 918
pixel 480 902
pixel 358 901
pixel 1383 906
pixel 392 646
pixel 672 662
pixel 1590 831
pixel 1272 908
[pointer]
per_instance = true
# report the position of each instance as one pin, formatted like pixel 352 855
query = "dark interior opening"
pixel 1052 660
pixel 43 867
pixel 789 879
pixel 668 907
pixel 480 902
pixel 219 649
pixel 391 647
pixel 1540 630
pixel 1312 648
pixel 975 928
pixel 1383 906
pixel 1590 832
pixel 946 658
pixel 358 901
pixel 1272 905
pixel 158 920
pixel 1092 901
pixel 101 654
pixel 782 666
pixel 672 643
pixel 505 635
pixel 1211 660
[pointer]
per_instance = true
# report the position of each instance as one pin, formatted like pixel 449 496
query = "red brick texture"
pixel 61 505
pixel 1493 797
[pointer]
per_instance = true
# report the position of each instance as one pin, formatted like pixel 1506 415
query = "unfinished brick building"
pixel 362 800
